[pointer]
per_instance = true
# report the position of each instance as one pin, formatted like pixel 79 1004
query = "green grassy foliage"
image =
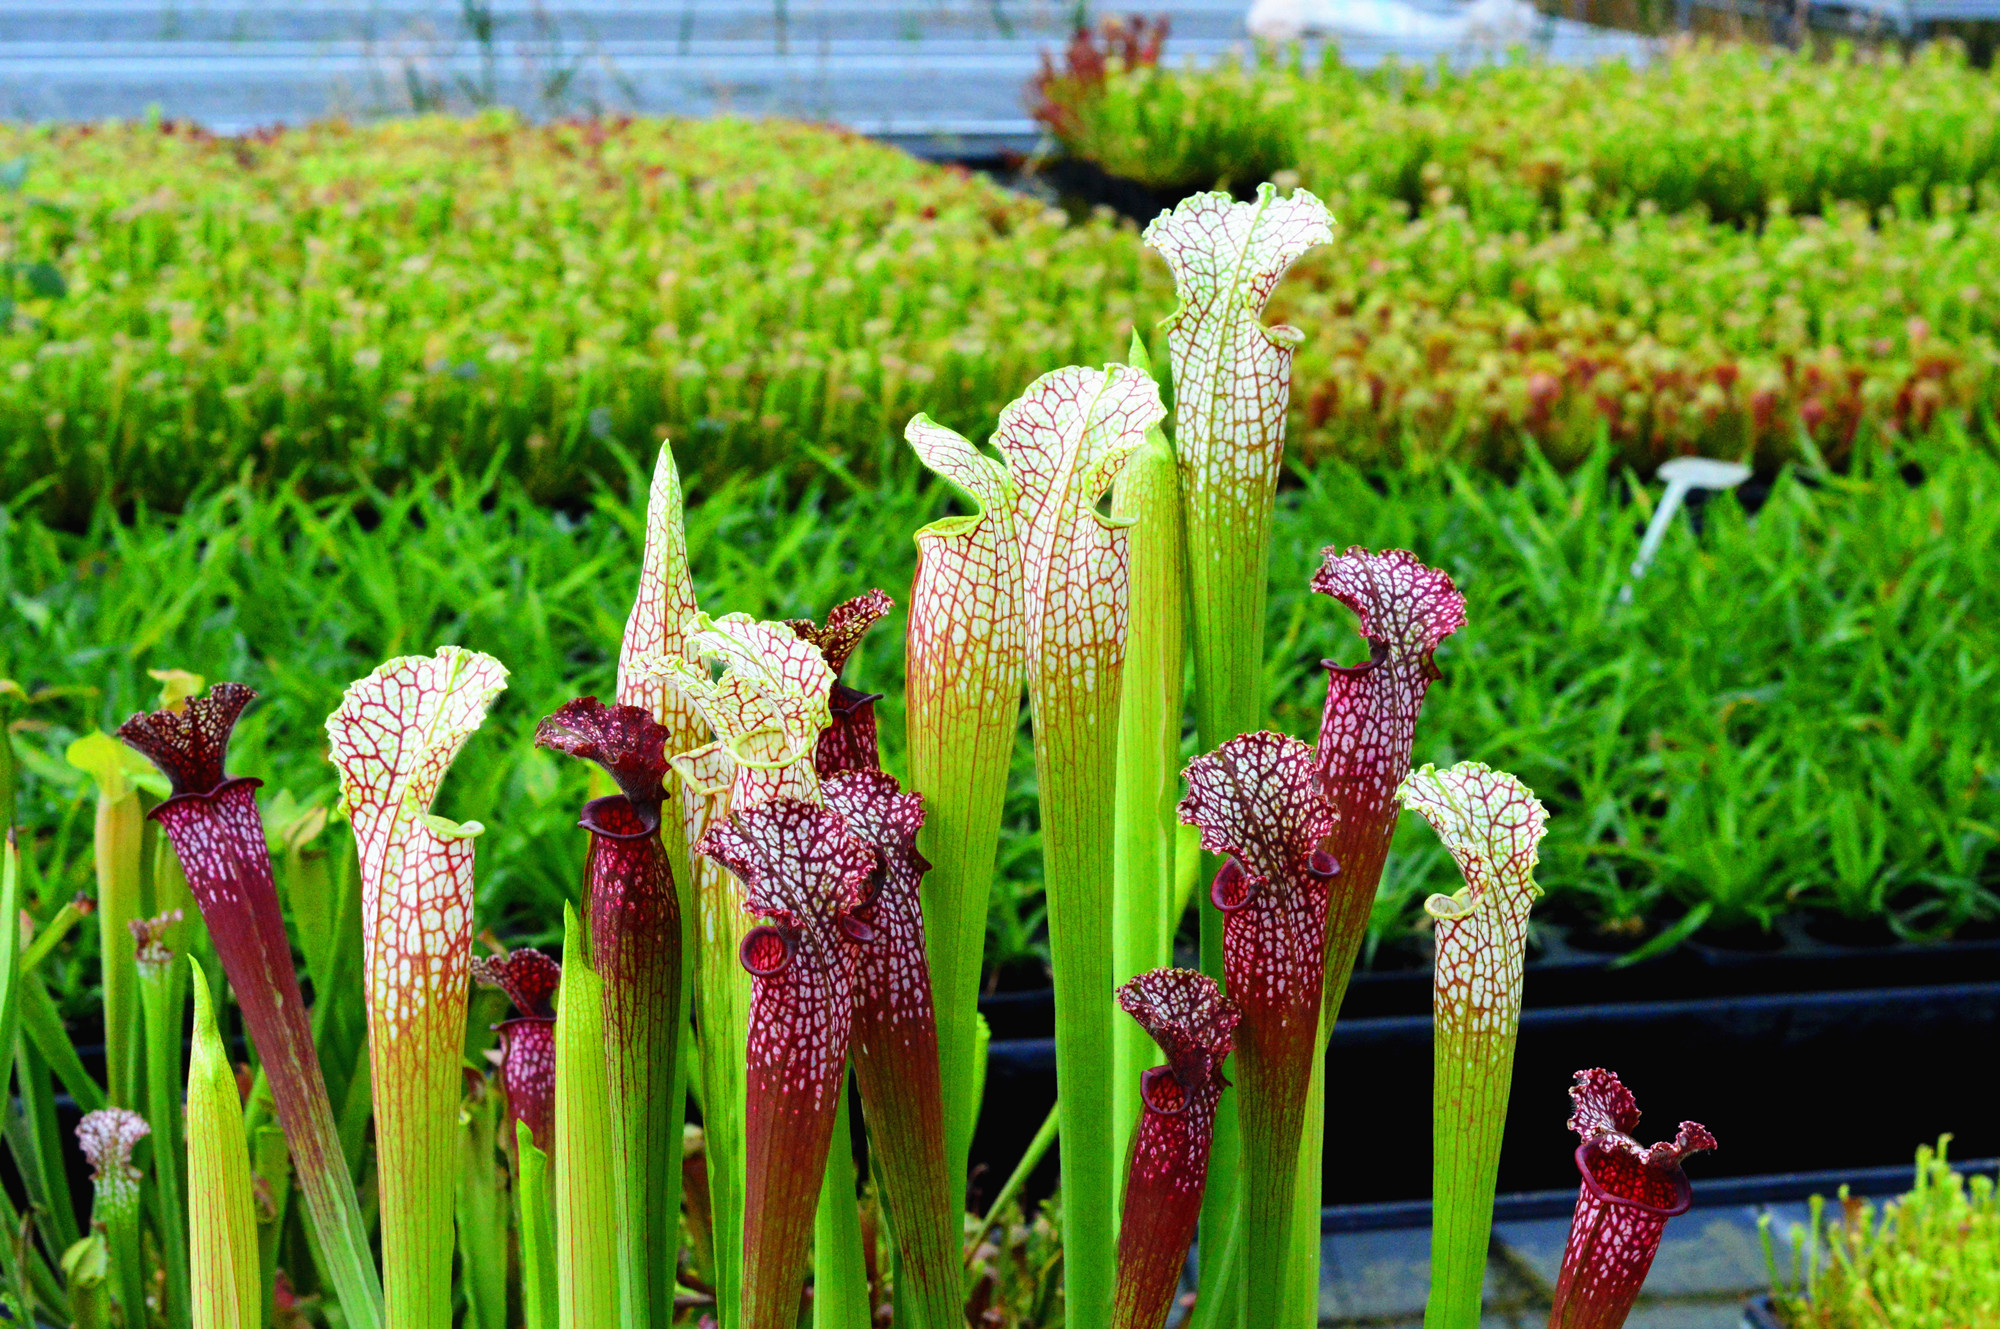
pixel 1797 712
pixel 340 306
pixel 339 303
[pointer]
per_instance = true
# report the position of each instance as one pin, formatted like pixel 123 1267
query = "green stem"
pixel 271 1164
pixel 1149 747
pixel 119 830
pixel 840 1274
pixel 162 1003
pixel 1220 1302
pixel 1075 767
pixel 482 1214
pixel 539 1307
pixel 722 995
pixel 586 1192
pixel 116 1211
pixel 222 1228
pixel 1038 1147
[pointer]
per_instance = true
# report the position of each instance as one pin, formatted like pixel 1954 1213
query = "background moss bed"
pixel 341 393
pixel 338 305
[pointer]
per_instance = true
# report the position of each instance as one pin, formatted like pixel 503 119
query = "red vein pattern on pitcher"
pixel 801 868
pixel 1370 722
pixel 1628 1194
pixel 849 743
pixel 635 945
pixel 527 1041
pixel 1257 800
pixel 1492 824
pixel 392 739
pixel 895 1046
pixel 1193 1022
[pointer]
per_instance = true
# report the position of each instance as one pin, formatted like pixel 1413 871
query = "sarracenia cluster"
pixel 766 923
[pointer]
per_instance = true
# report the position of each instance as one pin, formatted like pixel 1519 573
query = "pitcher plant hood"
pixel 1257 800
pixel 767 708
pixel 1369 725
pixel 895 1040
pixel 392 739
pixel 528 1040
pixel 657 628
pixel 849 743
pixel 625 741
pixel 1492 824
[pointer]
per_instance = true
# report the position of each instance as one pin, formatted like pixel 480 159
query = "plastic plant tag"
pixel 1492 824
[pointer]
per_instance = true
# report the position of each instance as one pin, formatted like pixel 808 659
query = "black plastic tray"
pixel 1788 1081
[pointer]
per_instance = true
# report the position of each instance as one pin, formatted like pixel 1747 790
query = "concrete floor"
pixel 1710 1261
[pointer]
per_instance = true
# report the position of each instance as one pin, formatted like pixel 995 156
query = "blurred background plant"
pixel 1927 1260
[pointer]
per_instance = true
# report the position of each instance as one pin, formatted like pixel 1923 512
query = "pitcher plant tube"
pixel 392 740
pixel 163 1003
pixel 894 1043
pixel 1146 899
pixel 222 1223
pixel 1232 376
pixel 801 868
pixel 1187 1014
pixel 216 830
pixel 1403 610
pixel 586 1232
pixel 767 710
pixel 1629 1192
pixel 1492 824
pixel 635 943
pixel 108 1137
pixel 1040 549
pixel 1257 801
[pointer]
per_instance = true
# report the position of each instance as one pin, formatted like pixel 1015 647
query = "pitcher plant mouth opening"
pixel 849 742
